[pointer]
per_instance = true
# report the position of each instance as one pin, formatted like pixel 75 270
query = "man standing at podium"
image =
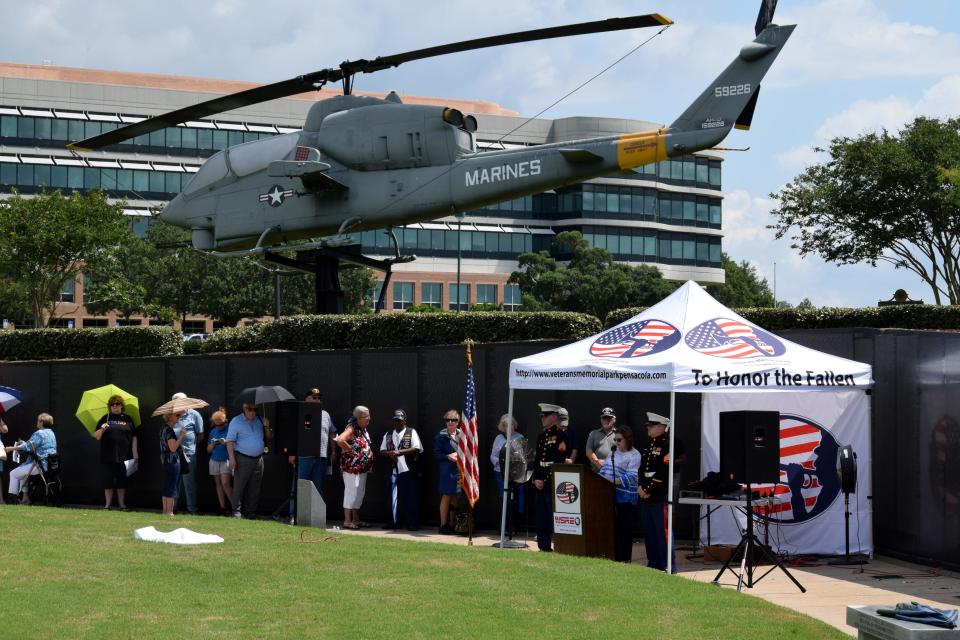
pixel 652 489
pixel 552 447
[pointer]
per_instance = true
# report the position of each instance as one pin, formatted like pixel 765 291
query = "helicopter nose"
pixel 175 212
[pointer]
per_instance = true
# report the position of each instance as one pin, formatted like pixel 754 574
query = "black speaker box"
pixel 847 461
pixel 297 432
pixel 750 446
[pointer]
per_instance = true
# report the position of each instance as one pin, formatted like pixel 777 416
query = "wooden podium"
pixel 582 512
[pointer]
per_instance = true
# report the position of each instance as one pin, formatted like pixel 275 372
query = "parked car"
pixel 195 337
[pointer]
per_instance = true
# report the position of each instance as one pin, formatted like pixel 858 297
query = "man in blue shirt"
pixel 245 438
pixel 191 421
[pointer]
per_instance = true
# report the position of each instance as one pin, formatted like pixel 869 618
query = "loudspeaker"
pixel 297 432
pixel 847 467
pixel 750 446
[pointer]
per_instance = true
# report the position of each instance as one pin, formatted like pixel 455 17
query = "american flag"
pixel 726 338
pixel 632 340
pixel 799 440
pixel 467 442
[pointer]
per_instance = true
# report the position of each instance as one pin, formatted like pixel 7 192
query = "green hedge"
pixel 308 333
pixel 906 316
pixel 120 342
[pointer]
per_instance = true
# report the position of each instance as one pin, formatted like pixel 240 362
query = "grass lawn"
pixel 78 573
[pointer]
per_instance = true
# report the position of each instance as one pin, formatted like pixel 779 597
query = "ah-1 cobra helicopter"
pixel 363 163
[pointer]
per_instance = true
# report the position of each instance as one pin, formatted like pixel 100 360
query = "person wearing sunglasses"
pixel 552 448
pixel 118 443
pixel 448 475
pixel 621 467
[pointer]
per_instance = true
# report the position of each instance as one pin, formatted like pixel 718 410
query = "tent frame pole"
pixel 506 472
pixel 673 428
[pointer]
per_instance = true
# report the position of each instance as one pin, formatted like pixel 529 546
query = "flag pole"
pixel 461 463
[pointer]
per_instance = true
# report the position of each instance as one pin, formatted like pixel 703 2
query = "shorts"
pixel 218 468
pixel 354 487
pixel 114 475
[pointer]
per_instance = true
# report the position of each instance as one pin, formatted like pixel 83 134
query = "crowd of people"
pixel 636 464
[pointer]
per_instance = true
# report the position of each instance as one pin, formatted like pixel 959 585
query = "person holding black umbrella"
pixel 245 441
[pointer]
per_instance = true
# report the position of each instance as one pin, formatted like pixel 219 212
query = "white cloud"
pixel 942 100
pixel 855 39
pixel 745 216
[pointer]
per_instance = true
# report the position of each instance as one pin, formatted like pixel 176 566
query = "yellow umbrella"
pixel 93 405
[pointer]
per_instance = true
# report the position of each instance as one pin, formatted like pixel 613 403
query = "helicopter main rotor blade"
pixel 583 28
pixel 314 80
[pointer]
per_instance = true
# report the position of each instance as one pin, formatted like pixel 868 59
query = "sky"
pixel 851 67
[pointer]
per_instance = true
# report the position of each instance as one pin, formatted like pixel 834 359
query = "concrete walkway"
pixel 829 588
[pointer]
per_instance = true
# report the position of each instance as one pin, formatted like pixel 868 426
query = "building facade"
pixel 666 214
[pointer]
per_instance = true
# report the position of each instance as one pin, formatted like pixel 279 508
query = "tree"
pixel 46 240
pixel 883 198
pixel 742 287
pixel 356 281
pixel 591 283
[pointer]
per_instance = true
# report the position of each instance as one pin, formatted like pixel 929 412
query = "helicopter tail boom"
pixel 728 100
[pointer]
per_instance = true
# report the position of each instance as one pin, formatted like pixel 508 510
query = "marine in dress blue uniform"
pixel 652 489
pixel 552 447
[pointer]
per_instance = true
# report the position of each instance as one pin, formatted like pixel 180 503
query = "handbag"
pixel 184 463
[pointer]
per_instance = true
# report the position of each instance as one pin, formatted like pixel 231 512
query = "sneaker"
pixel 237 514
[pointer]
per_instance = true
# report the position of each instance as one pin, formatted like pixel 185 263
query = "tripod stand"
pixel 846 559
pixel 749 544
pixel 512 489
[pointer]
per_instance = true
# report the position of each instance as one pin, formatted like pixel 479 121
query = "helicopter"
pixel 363 163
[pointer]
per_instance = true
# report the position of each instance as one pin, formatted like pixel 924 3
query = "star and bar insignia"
pixel 276 195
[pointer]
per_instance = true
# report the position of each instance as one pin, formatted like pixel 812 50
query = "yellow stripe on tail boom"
pixel 638 149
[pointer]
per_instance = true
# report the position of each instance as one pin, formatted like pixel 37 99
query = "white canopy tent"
pixel 689 343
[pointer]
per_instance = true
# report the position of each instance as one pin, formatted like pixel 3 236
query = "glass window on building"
pixel 141 181
pixel 91 178
pixel 715 258
pixel 587 198
pixel 459 302
pixel 41 175
pixel 689 169
pixel 58 177
pixel 486 294
pixel 75 177
pixel 703 212
pixel 511 297
pixel 188 138
pixel 431 294
pixel 43 128
pixel 156 182
pixel 703 171
pixel 25 128
pixel 402 295
pixel 174 137
pixel 703 251
pixel 69 291
pixel 25 175
pixel 715 173
pixel 59 130
pixel 94 322
pixel 715 215
pixel 8 126
pixel 689 210
pixel 91 128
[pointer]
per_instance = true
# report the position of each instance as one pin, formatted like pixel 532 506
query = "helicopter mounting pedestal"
pixel 324 264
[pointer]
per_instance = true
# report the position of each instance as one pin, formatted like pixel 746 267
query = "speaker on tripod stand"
pixel 847 470
pixel 750 454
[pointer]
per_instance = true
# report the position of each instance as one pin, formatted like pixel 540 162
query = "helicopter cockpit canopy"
pixel 241 160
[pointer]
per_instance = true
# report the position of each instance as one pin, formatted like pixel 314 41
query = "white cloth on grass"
pixel 177 536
